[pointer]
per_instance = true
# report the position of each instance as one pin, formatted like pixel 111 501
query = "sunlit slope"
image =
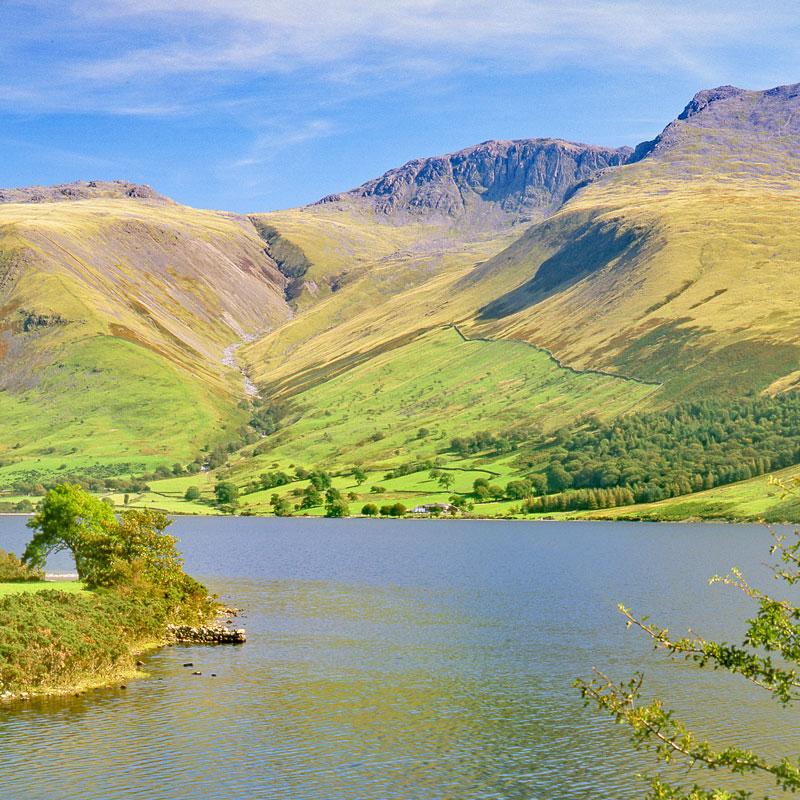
pixel 373 413
pixel 681 267
pixel 371 267
pixel 368 286
pixel 114 318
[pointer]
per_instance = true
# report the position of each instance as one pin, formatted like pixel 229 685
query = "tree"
pixel 359 475
pixel 311 497
pixel 446 480
pixel 227 493
pixel 370 510
pixel 768 658
pixel 69 518
pixel 377 489
pixel 518 490
pixel 132 551
pixel 397 510
pixel 538 483
pixel 558 479
pixel 332 494
pixel 281 507
pixel 337 507
pixel 192 494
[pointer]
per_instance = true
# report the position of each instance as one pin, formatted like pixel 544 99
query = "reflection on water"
pixel 401 660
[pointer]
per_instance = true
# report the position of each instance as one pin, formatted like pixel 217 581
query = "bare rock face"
pixel 83 190
pixel 733 122
pixel 495 183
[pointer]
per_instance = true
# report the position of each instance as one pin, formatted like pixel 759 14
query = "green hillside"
pixel 374 327
pixel 116 319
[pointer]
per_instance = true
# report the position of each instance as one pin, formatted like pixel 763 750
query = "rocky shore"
pixel 206 634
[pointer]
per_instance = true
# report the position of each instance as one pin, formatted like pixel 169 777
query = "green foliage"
pixel 70 518
pixel 692 447
pixel 337 507
pixel 518 490
pixel 393 510
pixel 370 510
pixel 192 493
pixel 359 475
pixel 280 506
pixel 269 480
pixel 486 442
pixel 768 657
pixel 446 480
pixel 13 569
pixel 52 638
pixel 227 493
pixel 311 497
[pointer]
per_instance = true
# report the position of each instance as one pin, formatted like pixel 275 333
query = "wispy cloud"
pixel 269 143
pixel 147 56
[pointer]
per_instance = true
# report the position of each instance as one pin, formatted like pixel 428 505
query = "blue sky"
pixel 261 104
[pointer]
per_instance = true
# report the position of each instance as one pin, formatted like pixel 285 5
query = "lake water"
pixel 404 660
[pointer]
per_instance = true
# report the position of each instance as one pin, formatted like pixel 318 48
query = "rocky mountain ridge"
pixel 494 182
pixel 83 190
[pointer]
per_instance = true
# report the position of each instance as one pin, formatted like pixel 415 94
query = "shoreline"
pixel 90 683
pixel 445 518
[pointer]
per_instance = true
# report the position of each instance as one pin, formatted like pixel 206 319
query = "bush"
pixel 227 493
pixel 370 510
pixel 337 508
pixel 12 569
pixel 192 493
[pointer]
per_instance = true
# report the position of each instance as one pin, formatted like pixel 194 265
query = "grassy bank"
pixel 40 586
pixel 68 636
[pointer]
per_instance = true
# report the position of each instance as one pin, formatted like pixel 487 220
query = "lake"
pixel 408 660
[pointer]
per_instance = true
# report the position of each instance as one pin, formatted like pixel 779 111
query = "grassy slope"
pixel 678 268
pixel 394 282
pixel 371 415
pixel 152 295
pixel 38 586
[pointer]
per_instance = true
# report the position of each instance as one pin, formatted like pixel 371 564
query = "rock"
pixel 489 185
pixel 206 634
pixel 190 664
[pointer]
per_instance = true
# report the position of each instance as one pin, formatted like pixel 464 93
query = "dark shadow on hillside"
pixel 590 248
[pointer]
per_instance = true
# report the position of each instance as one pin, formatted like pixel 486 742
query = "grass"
pixel 38 586
pixel 107 402
pixel 373 414
pixel 149 296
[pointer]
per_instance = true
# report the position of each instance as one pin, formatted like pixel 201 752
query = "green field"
pixel 374 413
pixel 38 586
pixel 107 402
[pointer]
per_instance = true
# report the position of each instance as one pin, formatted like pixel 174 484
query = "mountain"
pixel 82 190
pixel 678 267
pixel 118 309
pixel 492 184
pixel 497 294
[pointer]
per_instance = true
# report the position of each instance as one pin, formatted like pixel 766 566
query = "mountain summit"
pixel 735 124
pixel 491 184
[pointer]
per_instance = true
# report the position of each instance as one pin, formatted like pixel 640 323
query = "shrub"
pixel 12 569
pixel 370 510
